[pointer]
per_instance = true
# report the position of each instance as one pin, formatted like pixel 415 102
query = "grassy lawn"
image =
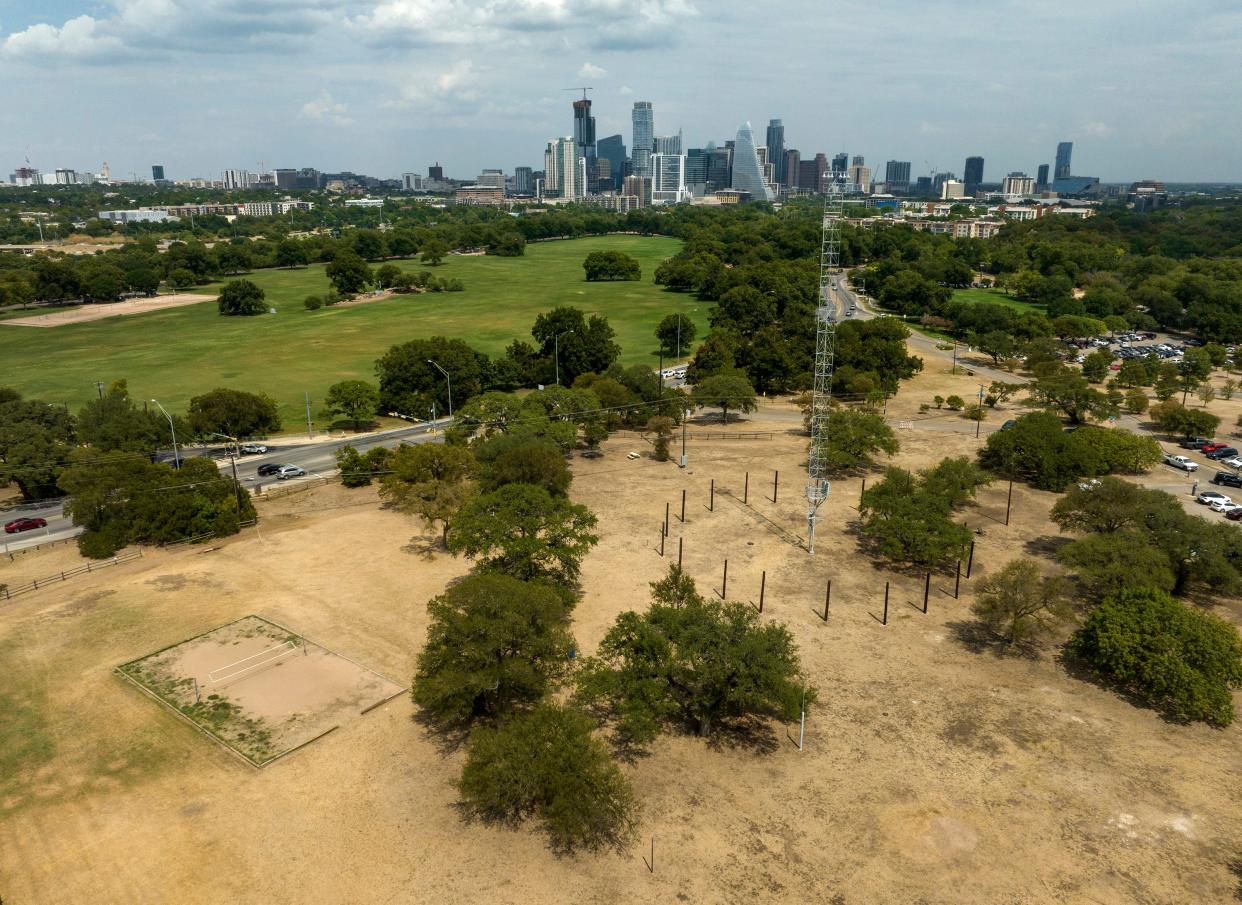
pixel 996 297
pixel 175 354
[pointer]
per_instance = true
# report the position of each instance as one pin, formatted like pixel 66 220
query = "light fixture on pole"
pixel 450 385
pixel 172 429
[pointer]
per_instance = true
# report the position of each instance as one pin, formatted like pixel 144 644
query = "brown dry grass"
pixel 935 771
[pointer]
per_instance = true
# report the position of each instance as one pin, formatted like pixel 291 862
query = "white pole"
pixel 802 727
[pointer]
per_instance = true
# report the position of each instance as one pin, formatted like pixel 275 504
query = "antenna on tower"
pixel 826 314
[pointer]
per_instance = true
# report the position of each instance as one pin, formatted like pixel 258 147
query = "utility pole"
pixel 685 414
pixel 979 420
pixel 310 430
pixel 233 462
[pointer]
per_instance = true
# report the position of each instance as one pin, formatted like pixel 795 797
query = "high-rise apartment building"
pixel 523 181
pixel 1064 151
pixel 697 161
pixel 410 182
pixel 157 173
pixel 285 179
pixel 492 179
pixel 238 179
pixel 720 169
pixel 897 176
pixel 436 172
pixel 642 138
pixel 951 188
pixel 793 159
pixel 1018 184
pixel 565 172
pixel 747 171
pixel 668 144
pixel 776 149
pixel 973 174
pixel 584 133
pixel 612 149
pixel 668 178
pixel 859 177
pixel 1041 178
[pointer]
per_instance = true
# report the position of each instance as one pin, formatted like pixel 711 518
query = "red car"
pixel 24 524
pixel 1211 447
pixel 1234 514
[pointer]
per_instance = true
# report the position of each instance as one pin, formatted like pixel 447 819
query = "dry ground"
pixel 101 311
pixel 935 771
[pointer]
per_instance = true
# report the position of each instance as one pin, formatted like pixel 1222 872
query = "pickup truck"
pixel 1180 462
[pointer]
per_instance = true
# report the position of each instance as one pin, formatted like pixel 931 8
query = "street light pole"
pixel 173 430
pixel 556 353
pixel 236 447
pixel 450 386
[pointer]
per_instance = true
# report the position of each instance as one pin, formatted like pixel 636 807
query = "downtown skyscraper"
pixel 642 141
pixel 747 173
pixel 776 149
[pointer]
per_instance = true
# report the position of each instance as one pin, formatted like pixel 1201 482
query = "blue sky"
pixel 1144 88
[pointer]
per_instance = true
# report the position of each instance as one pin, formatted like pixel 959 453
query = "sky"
pixel 1144 88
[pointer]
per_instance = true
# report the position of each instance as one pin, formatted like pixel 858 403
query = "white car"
pixel 1181 462
pixel 1223 506
pixel 250 449
pixel 1212 497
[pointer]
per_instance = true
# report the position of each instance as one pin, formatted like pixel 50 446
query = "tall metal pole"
pixel 817 486
pixel 450 383
pixel 173 430
pixel 684 414
pixel 979 412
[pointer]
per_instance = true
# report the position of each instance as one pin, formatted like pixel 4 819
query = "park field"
pixel 175 354
pixel 996 297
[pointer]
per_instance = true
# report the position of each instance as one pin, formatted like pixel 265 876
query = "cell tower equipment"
pixel 826 314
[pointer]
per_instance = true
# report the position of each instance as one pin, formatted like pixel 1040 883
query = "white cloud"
pixel 625 91
pixel 457 89
pixel 591 71
pixel 79 37
pixel 1098 130
pixel 325 109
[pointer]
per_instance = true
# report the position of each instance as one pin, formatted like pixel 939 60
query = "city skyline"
pixel 486 87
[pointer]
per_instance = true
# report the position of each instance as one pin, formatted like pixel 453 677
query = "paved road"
pixel 317 458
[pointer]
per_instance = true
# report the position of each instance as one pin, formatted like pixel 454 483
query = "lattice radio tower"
pixel 826 314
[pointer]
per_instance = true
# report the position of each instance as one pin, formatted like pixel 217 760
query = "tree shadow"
pixel 975 638
pixel 424 546
pixel 1077 669
pixel 447 738
pixel 1235 868
pixel 1047 545
pixel 751 733
pixel 363 424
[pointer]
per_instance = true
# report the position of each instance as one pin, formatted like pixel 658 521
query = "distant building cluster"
pixel 184 211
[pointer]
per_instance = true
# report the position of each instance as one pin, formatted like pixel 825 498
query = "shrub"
pixel 1017 603
pixel 1171 655
pixel 312 303
pixel 956 403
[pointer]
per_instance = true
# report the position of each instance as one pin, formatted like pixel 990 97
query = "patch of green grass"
pixel 25 738
pixel 177 353
pixel 996 297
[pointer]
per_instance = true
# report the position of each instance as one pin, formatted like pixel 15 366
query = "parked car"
pixel 269 468
pixel 1225 506
pixel 1234 514
pixel 289 471
pixel 1208 497
pixel 1232 461
pixel 1209 448
pixel 252 449
pixel 1181 462
pixel 1223 452
pixel 1227 479
pixel 1194 442
pixel 24 524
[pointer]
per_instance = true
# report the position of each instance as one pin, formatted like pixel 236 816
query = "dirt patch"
pixel 98 312
pixel 259 688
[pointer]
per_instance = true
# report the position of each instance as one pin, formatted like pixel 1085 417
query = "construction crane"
pixel 583 90
pixel 826 316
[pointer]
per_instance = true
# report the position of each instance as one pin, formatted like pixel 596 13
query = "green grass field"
pixel 175 354
pixel 996 297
